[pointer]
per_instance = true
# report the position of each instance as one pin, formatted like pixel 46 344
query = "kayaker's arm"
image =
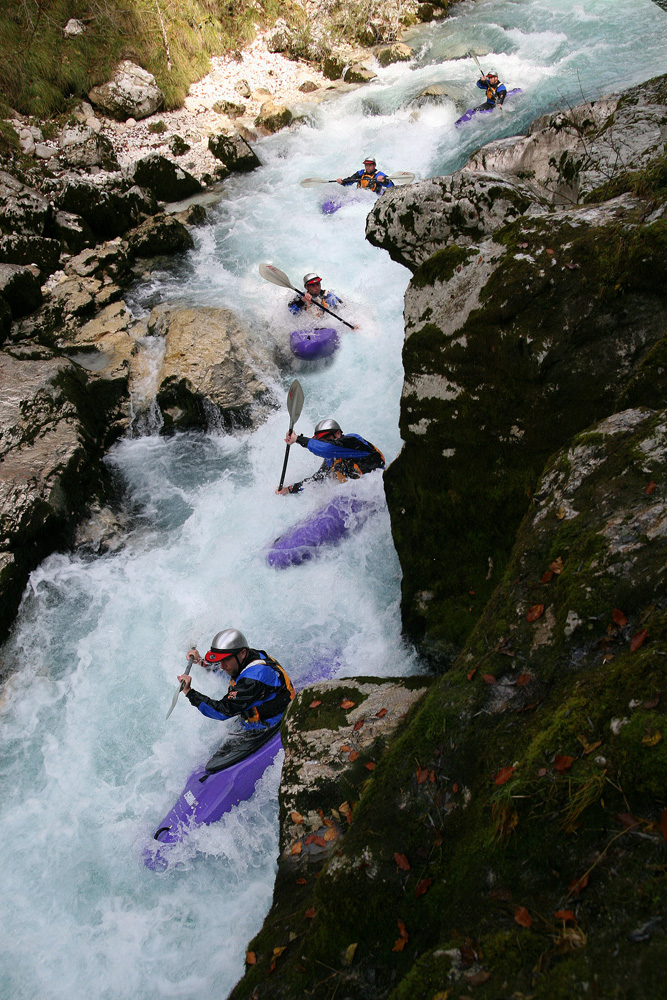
pixel 352 179
pixel 247 692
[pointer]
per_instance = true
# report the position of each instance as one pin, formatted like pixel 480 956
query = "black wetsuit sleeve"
pixel 352 179
pixel 247 692
pixel 321 473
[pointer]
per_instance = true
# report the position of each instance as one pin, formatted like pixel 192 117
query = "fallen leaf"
pixel 652 739
pixel 314 838
pixel 521 246
pixel 578 885
pixel 349 953
pixel 344 748
pixel 563 763
pixel 330 835
pixel 292 936
pixel 301 881
pixel 296 848
pixel 572 937
pixel 370 766
pixel 550 251
pixel 619 618
pixel 489 679
pixel 438 839
pixel 565 915
pixel 468 955
pixel 471 673
pixel 352 756
pixel 346 704
pixel 327 821
pixel 572 267
pixel 381 714
pixel 422 775
pixel 272 967
pixel 296 817
pixel 638 639
pixel 344 809
pixel 399 945
pixel 541 772
pixel 653 703
pixel 315 704
pixel 250 958
pixel 422 886
pixel 477 978
pixel 402 862
pixel 524 679
pixel 650 488
pixel 561 513
pixel 401 929
pixel 278 951
pixel 431 776
pixel 455 788
pixel 627 820
pixel 592 746
pixel 523 917
pixel 547 576
pixel 309 914
pixel 504 774
pixel 663 824
pixel 535 612
pixel 357 726
pixel 557 566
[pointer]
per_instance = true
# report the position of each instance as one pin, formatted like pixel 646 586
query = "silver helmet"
pixel 311 278
pixel 369 159
pixel 230 640
pixel 327 426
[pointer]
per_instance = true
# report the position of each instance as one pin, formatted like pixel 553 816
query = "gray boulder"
pixel 20 288
pixel 43 253
pixel 22 209
pixel 357 73
pixel 71 230
pixel 233 150
pixel 398 52
pixel 229 108
pixel 110 207
pixel 165 180
pixel 273 117
pixel 132 93
pixel 162 234
pixel 280 37
pixel 82 146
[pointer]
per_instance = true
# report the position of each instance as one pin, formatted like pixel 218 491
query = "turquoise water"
pixel 89 765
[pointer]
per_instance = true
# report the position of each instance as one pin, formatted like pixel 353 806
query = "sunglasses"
pixel 213 657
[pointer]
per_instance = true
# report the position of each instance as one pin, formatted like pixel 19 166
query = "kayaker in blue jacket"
pixel 346 456
pixel 259 688
pixel 370 177
pixel 314 294
pixel 495 92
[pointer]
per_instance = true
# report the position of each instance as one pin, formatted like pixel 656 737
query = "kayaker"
pixel 346 456
pixel 259 688
pixel 314 294
pixel 495 92
pixel 370 177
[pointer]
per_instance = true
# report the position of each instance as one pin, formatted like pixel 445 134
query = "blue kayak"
pixel 326 526
pixel 481 110
pixel 320 342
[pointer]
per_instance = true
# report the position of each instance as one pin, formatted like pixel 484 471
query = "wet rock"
pixel 70 230
pixel 43 253
pixel 162 234
pixel 273 117
pixel 333 67
pixel 20 288
pixel 234 152
pixel 81 146
pixel 132 93
pixel 229 108
pixel 308 87
pixel 22 209
pixel 104 531
pixel 209 371
pixel 357 73
pixel 163 179
pixel 398 52
pixel 110 206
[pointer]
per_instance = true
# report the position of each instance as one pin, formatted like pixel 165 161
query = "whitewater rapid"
pixel 89 765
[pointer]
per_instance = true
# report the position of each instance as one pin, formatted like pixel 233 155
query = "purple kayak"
pixel 311 344
pixel 327 526
pixel 471 112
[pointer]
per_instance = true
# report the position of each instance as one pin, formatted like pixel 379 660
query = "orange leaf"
pixel 370 766
pixel 619 618
pixel 381 714
pixel 344 748
pixel 472 673
pixel 477 978
pixel 547 576
pixel 250 958
pixel 278 951
pixel 272 967
pixel 578 885
pixel 357 726
pixel 565 915
pixel 330 835
pixel 346 703
pixel 650 488
pixel 296 817
pixel 556 566
pixel 592 746
pixel 401 930
pixel 535 612
pixel 422 775
pixel 489 679
pixel 301 881
pixel 310 913
pixel 562 763
pixel 352 756
pixel 344 809
pixel 422 886
pixel 315 704
pixel 663 824
pixel 455 787
pixel 524 679
pixel 522 917
pixel 400 944
pixel 638 640
pixel 504 774
pixel 314 838
pixel 431 776
pixel 296 848
pixel 402 862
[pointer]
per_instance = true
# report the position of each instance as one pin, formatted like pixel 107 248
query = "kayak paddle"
pixel 402 177
pixel 191 660
pixel 294 407
pixel 278 277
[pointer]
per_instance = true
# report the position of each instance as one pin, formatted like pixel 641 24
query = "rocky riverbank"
pixel 509 838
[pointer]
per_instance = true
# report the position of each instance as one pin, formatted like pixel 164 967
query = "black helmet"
pixel 224 643
pixel 326 427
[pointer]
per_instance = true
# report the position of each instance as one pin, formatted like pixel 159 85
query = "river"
pixel 89 765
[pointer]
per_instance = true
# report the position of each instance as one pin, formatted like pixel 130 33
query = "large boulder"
pixel 209 371
pixel 110 205
pixel 42 252
pixel 22 209
pixel 165 180
pixel 81 146
pixel 272 117
pixel 71 230
pixel 132 93
pixel 398 52
pixel 234 152
pixel 162 234
pixel 20 288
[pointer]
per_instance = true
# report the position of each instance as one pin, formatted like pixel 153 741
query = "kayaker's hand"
pixel 283 492
pixel 307 298
pixel 290 437
pixel 339 180
pixel 186 681
pixel 194 654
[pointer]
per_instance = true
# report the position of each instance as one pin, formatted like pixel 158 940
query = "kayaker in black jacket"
pixel 314 295
pixel 346 456
pixel 370 177
pixel 259 688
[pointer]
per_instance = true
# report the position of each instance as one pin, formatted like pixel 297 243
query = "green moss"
pixel 328 714
pixel 442 265
pixel 649 184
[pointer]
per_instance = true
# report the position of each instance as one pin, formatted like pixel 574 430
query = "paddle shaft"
pixel 294 404
pixel 278 277
pixel 321 306
pixel 191 660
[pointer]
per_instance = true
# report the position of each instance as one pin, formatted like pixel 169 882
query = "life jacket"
pixel 492 92
pixel 270 710
pixel 353 468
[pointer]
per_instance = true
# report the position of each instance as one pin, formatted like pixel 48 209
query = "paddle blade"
pixel 294 401
pixel 174 700
pixel 402 177
pixel 309 182
pixel 275 275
